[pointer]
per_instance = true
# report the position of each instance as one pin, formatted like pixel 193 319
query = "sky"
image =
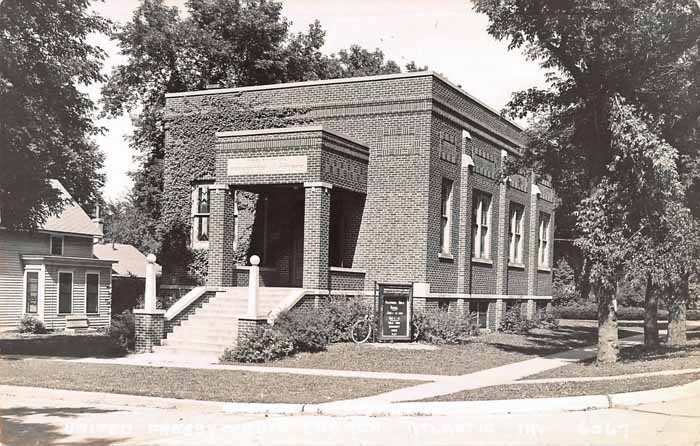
pixel 446 35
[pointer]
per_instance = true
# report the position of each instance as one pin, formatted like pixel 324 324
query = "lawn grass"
pixel 635 360
pixel 59 344
pixel 484 352
pixel 563 389
pixel 210 385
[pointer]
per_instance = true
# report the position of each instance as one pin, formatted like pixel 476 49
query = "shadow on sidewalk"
pixel 15 430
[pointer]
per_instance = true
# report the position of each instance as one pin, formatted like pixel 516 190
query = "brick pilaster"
pixel 317 212
pixel 502 245
pixel 149 329
pixel 221 236
pixel 533 248
pixel 464 254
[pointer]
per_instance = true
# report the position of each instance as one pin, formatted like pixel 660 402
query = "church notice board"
pixel 395 308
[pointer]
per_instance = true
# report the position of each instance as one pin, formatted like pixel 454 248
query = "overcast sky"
pixel 446 35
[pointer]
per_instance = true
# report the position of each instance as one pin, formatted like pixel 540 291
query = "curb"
pixel 368 408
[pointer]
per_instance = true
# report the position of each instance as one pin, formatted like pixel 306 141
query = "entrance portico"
pixel 310 169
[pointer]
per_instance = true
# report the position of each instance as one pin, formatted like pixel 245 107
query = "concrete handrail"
pixel 285 305
pixel 184 302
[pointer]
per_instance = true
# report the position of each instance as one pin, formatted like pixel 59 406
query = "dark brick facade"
pixel 375 202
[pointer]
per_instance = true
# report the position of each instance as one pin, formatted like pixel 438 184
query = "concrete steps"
pixel 214 327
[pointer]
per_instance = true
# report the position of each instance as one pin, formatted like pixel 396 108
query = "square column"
pixel 317 216
pixel 221 236
pixel 149 329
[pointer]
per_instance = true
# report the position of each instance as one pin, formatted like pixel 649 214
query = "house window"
pixel 481 221
pixel 32 292
pixel 446 217
pixel 516 233
pixel 200 214
pixel 92 292
pixel 65 292
pixel 56 245
pixel 543 235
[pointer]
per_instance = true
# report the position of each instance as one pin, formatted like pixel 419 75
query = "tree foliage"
pixel 621 145
pixel 46 122
pixel 225 43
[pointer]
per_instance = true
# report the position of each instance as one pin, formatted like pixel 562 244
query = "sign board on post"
pixel 395 311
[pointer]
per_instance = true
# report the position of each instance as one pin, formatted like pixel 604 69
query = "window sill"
pixel 544 269
pixel 446 257
pixel 482 261
pixel 516 265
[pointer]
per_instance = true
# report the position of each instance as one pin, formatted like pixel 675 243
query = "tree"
pixel 593 52
pixel 46 124
pixel 223 43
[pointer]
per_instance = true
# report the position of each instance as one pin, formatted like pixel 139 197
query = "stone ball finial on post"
pixel 253 279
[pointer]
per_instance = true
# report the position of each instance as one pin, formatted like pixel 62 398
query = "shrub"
pixel 513 322
pixel 265 344
pixel 343 312
pixel 30 324
pixel 443 327
pixel 308 331
pixel 122 331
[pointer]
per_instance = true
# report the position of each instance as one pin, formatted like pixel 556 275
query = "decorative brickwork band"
pixel 221 237
pixel 149 328
pixel 317 213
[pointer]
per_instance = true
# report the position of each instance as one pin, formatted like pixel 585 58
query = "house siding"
pixel 13 245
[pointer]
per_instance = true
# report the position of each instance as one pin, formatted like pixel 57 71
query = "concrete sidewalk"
pixel 490 377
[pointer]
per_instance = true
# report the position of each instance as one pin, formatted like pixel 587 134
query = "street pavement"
pixel 27 420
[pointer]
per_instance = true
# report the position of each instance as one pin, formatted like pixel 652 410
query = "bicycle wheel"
pixel 361 331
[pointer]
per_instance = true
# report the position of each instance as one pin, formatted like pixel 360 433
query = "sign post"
pixel 395 312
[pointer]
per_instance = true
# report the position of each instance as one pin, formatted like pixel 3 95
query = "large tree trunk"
pixel 651 309
pixel 676 316
pixel 608 344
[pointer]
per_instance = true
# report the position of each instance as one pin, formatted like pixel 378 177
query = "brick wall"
pixel 170 325
pixel 150 329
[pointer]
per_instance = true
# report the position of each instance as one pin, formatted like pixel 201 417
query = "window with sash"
pixel 92 292
pixel 446 217
pixel 200 216
pixel 481 223
pixel 543 236
pixel 32 292
pixel 516 233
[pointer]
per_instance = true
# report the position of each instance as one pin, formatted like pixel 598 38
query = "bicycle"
pixel 361 330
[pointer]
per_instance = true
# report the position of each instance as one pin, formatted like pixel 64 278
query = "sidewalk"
pixel 490 377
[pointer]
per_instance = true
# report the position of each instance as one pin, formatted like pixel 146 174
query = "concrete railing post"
pixel 253 280
pixel 150 292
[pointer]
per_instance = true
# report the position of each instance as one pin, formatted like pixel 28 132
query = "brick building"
pixel 394 181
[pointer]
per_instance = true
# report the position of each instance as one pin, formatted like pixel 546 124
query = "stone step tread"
pixel 202 338
pixel 202 346
pixel 187 352
pixel 213 331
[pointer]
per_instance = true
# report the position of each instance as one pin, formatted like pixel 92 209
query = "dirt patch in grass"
pixel 72 345
pixel 634 360
pixel 484 352
pixel 210 385
pixel 559 389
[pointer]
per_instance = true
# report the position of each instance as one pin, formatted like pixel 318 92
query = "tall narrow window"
pixel 56 245
pixel 92 293
pixel 446 217
pixel 65 292
pixel 516 233
pixel 200 216
pixel 543 235
pixel 32 291
pixel 481 222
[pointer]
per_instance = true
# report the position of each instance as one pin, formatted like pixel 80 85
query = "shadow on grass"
pixel 557 342
pixel 57 345
pixel 15 430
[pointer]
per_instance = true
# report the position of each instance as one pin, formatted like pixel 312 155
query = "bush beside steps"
pixel 299 331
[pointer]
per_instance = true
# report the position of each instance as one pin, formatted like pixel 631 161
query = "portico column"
pixel 317 216
pixel 221 235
